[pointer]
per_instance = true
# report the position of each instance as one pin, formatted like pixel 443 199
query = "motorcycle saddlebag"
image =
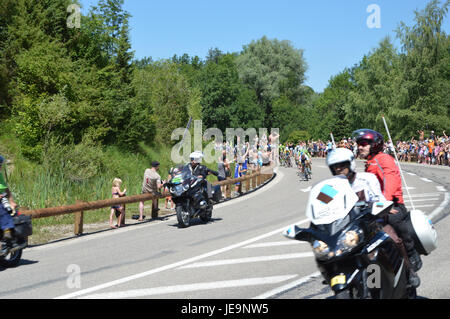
pixel 23 226
pixel 425 235
pixel 216 193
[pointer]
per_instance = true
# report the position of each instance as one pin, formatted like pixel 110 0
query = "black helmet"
pixel 374 138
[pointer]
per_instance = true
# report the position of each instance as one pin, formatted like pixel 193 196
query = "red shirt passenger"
pixel 388 174
pixel 370 146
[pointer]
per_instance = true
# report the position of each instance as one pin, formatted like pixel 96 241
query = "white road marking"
pixel 419 206
pixel 276 243
pixel 287 286
pixel 234 261
pixel 426 180
pixel 441 207
pixel 424 195
pixel 423 199
pixel 190 287
pixel 440 188
pixel 305 190
pixel 174 265
pixel 412 174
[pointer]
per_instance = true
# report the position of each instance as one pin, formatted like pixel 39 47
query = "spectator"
pixel 223 168
pixel 169 197
pixel 118 210
pixel 151 184
pixel 237 174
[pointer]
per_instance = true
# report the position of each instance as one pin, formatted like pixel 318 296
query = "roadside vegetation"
pixel 77 109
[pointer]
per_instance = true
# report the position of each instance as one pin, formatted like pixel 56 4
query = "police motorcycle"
pixel 189 195
pixel 22 229
pixel 356 258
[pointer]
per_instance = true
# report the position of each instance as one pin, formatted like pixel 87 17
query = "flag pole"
pixel 398 163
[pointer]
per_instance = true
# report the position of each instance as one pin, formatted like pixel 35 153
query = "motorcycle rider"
pixel 370 147
pixel 201 171
pixel 341 161
pixel 6 220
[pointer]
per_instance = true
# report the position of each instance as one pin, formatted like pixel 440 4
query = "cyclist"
pixel 305 161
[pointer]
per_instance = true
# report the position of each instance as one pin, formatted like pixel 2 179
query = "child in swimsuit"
pixel 118 210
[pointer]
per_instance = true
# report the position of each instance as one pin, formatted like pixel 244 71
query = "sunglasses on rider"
pixel 363 143
pixel 340 165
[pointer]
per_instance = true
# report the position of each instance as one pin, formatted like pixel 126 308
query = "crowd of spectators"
pixel 432 149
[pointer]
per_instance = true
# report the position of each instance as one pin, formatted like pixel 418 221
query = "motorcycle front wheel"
pixel 182 216
pixel 12 259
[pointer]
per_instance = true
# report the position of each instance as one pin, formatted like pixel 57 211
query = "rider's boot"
pixel 7 242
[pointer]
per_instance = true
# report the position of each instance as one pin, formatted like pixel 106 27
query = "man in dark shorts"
pixel 151 184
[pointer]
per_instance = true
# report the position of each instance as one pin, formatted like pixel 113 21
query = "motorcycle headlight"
pixel 349 240
pixel 321 249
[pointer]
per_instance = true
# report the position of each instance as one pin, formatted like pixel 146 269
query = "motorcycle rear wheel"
pixel 183 216
pixel 206 217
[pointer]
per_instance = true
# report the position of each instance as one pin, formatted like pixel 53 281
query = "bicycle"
pixel 306 171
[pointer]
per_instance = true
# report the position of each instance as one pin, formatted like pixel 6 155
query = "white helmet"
pixel 340 155
pixel 196 156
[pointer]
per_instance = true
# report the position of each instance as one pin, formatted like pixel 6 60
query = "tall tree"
pixel 271 68
pixel 424 89
pixel 373 95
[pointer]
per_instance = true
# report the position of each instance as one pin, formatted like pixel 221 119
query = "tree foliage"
pixel 63 87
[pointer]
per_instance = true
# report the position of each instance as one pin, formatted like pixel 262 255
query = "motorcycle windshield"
pixel 330 201
pixel 177 179
pixel 186 174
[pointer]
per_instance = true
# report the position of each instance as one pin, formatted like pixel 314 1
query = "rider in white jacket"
pixel 341 161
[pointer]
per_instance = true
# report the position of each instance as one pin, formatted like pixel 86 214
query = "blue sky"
pixel 333 33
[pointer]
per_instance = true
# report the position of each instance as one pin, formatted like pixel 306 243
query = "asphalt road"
pixel 241 254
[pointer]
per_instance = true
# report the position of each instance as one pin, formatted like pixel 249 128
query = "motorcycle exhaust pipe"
pixel 19 247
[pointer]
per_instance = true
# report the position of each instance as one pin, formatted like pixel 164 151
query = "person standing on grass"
pixel 119 210
pixel 151 184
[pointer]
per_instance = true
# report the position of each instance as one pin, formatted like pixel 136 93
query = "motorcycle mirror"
pixel 379 207
pixel 295 232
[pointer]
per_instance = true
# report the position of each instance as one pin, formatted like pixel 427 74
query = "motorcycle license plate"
pixel 338 280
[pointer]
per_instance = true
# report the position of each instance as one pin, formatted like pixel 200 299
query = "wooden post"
pixel 254 182
pixel 123 217
pixel 155 209
pixel 258 178
pixel 247 184
pixel 78 229
pixel 228 191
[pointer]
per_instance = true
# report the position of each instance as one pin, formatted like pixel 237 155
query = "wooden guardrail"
pixel 248 182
